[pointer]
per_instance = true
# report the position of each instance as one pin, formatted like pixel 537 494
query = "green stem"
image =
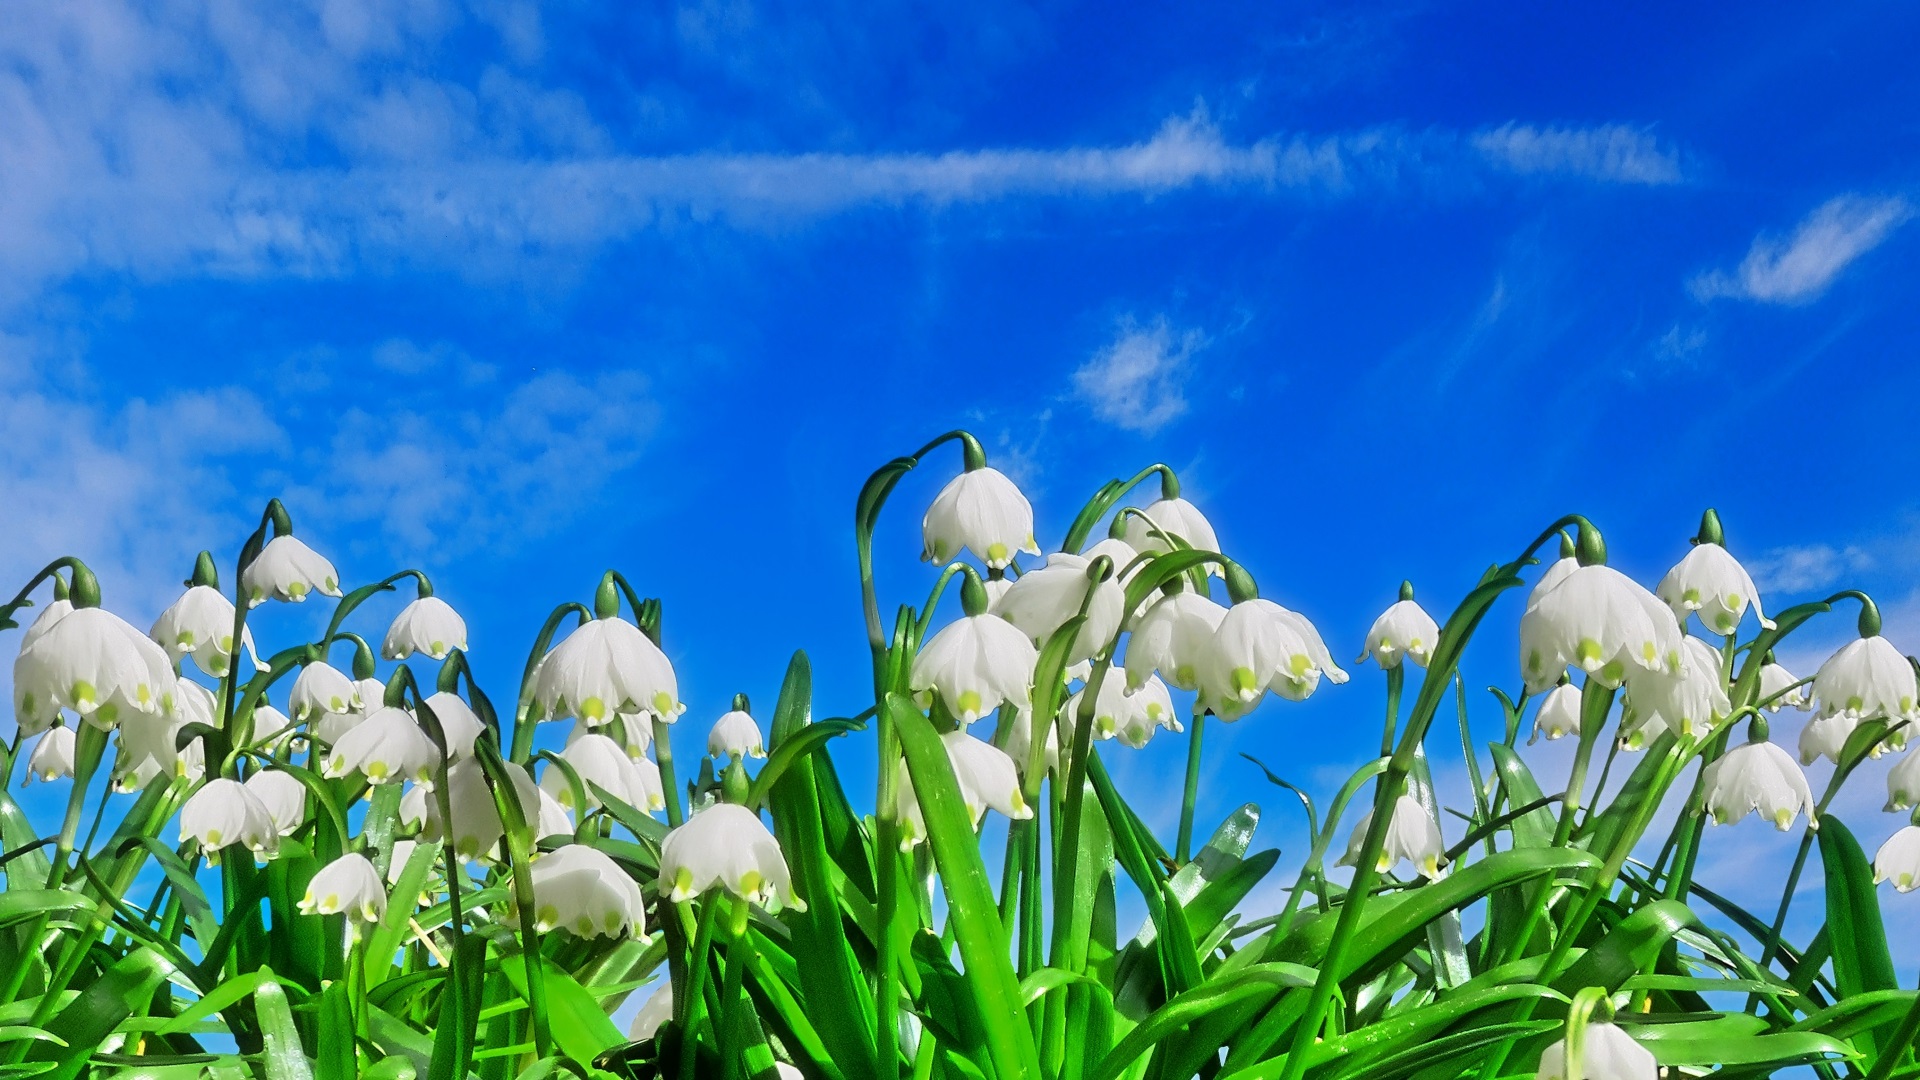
pixel 663 756
pixel 739 945
pixel 1896 1048
pixel 1183 843
pixel 695 1004
pixel 91 744
pixel 1396 678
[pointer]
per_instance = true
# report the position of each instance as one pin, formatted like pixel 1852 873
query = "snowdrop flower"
pixel 975 664
pixel 319 689
pixel 1044 599
pixel 1131 717
pixel 1712 584
pixel 55 610
pixel 1775 682
pixel 987 779
pixel 1404 630
pixel 1686 702
pixel 1413 835
pixel 604 668
pixel 1608 1053
pixel 1262 646
pixel 223 813
pixel 583 890
pixel 1147 531
pixel 287 569
pixel 1898 860
pixel 147 750
pixel 1600 621
pixel 599 760
pixel 384 747
pixel 1558 715
pixel 428 625
pixel 736 735
pixel 349 883
pixel 1903 782
pixel 1758 777
pixel 1866 679
pixel 476 825
pixel 983 512
pixel 726 845
pixel 1174 637
pixel 1020 743
pixel 458 722
pixel 657 1011
pixel 1825 738
pixel 284 797
pixel 270 725
pixel 200 624
pixel 52 756
pixel 92 662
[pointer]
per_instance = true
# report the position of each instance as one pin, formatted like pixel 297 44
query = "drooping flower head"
pixel 1607 1053
pixel 1867 679
pixel 1043 599
pixel 284 797
pixel 287 569
pixel 1412 836
pixel 976 664
pixel 582 890
pixel 1898 860
pixel 1403 631
pixel 1559 713
pixel 90 661
pixel 52 755
pixel 1130 716
pixel 200 624
pixel 1174 638
pixel 321 688
pixel 1777 688
pixel 1686 700
pixel 736 735
pixel 223 813
pixel 387 746
pixel 1710 583
pixel 599 760
pixel 979 511
pixel 426 625
pixel 657 1010
pixel 604 669
pixel 987 779
pixel 351 884
pixel 725 845
pixel 1600 621
pixel 1261 646
pixel 1147 531
pixel 1758 777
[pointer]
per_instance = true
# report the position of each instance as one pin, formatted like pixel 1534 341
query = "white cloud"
pixel 1610 152
pixel 1808 568
pixel 1799 268
pixel 1137 381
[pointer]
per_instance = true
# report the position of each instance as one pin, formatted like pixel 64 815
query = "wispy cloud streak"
pixel 1800 267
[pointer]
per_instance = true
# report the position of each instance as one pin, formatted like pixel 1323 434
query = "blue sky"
pixel 517 292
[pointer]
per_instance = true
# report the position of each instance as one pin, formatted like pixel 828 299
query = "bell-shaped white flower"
pixel 599 760
pixel 1262 646
pixel 319 689
pixel 147 750
pixel 350 883
pixel 1758 777
pixel 1020 743
pixel 1867 679
pixel 727 846
pixel 603 669
pixel 1558 714
pixel 1043 599
pixel 91 662
pixel 43 622
pixel 582 890
pixel 1132 717
pixel 1174 637
pixel 284 797
pixel 200 624
pixel 1607 1053
pixel 270 725
pixel 1903 782
pixel 458 722
pixel 224 813
pixel 657 1010
pixel 983 512
pixel 1412 836
pixel 976 664
pixel 1149 530
pixel 1825 738
pixel 1777 688
pixel 1898 860
pixel 52 756
pixel 736 735
pixel 987 779
pixel 1686 701
pixel 476 825
pixel 427 625
pixel 287 569
pixel 1712 584
pixel 1555 573
pixel 1403 631
pixel 1600 621
pixel 387 746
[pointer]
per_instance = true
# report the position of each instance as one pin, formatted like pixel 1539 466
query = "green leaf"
pixel 87 1020
pixel 1385 1037
pixel 1786 1048
pixel 808 739
pixel 384 940
pixel 581 1029
pixel 459 1010
pixel 28 869
pixel 31 903
pixel 282 1056
pixel 220 999
pixel 1603 831
pixel 1630 947
pixel 1532 829
pixel 1186 1008
pixel 1861 962
pixel 338 1058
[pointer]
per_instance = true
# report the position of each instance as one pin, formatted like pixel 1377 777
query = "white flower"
pixel 321 688
pixel 52 613
pixel 1262 646
pixel 553 819
pixel 1758 777
pixel 1898 860
pixel 52 756
pixel 604 668
pixel 269 724
pixel 1403 630
pixel 223 813
pixel 976 663
pixel 429 625
pixel 1711 583
pixel 982 511
pixel 657 1011
pixel 1174 637
pixel 458 722
pixel 200 623
pixel 735 735
pixel 1825 738
pixel 146 750
pixel 1042 601
pixel 349 883
pixel 284 797
pixel 1020 743
pixel 384 747
pixel 1686 702
pixel 1413 835
pixel 1554 574
pixel 600 760
pixel 1598 620
pixel 583 890
pixel 726 845
pixel 1608 1053
pixel 92 662
pixel 1130 716
pixel 987 779
pixel 1176 518
pixel 476 821
pixel 1866 679
pixel 287 569
pixel 1903 782
pixel 1559 713
pixel 1774 683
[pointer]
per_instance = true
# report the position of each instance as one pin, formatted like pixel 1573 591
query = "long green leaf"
pixel 283 1058
pixel 1861 962
pixel 581 1028
pixel 1628 948
pixel 87 1020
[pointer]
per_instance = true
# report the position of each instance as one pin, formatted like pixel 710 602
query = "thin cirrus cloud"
pixel 1799 268
pixel 1137 381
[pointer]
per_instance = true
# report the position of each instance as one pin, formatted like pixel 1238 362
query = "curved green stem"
pixel 1183 842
